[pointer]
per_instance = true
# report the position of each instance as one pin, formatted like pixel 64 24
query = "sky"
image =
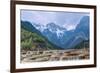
pixel 68 20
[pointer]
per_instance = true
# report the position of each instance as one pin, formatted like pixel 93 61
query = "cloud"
pixel 69 27
pixel 38 17
pixel 68 20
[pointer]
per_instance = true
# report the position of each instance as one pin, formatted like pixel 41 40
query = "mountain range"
pixel 59 36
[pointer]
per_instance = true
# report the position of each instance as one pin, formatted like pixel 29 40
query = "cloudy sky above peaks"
pixel 69 20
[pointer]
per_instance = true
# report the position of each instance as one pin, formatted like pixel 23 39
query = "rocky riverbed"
pixel 54 55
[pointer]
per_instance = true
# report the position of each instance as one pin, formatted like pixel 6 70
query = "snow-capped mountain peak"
pixel 59 31
pixel 39 27
pixel 52 27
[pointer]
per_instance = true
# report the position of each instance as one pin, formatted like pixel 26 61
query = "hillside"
pixel 31 39
pixel 83 44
